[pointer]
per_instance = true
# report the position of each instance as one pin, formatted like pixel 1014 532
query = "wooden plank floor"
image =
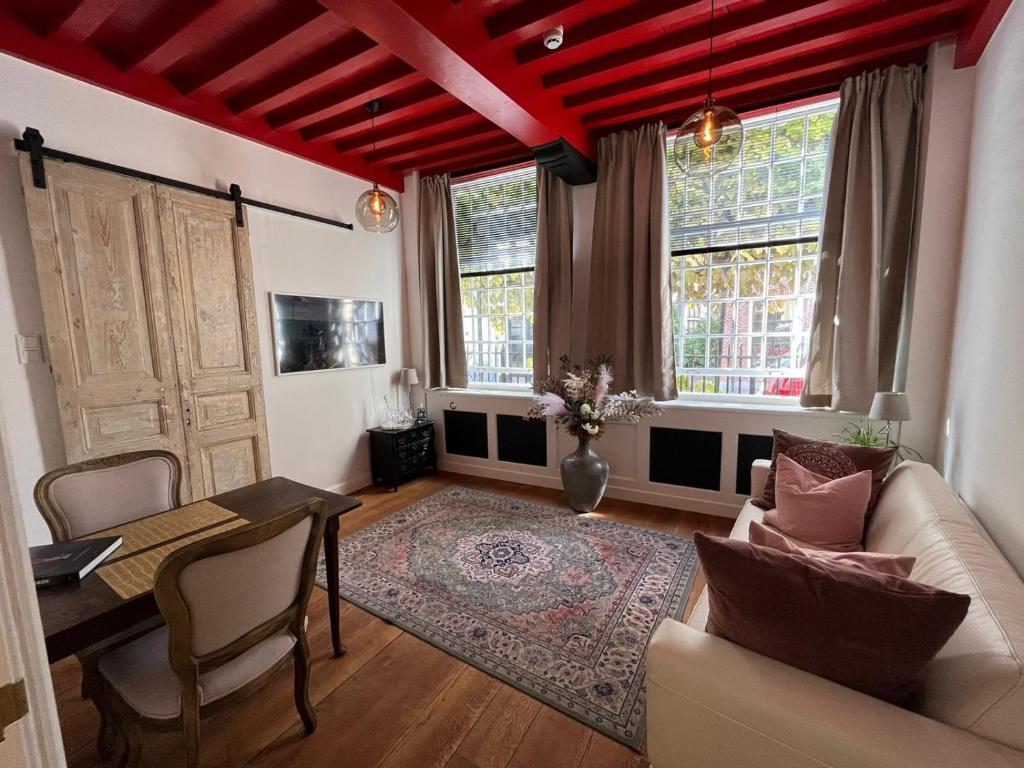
pixel 392 700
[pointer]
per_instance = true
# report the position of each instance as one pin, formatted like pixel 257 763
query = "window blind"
pixel 496 222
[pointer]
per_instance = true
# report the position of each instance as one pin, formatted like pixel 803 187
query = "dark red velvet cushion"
pixel 871 632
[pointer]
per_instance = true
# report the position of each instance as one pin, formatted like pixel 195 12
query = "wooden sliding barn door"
pixel 99 256
pixel 213 318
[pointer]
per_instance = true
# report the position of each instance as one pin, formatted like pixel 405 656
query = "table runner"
pixel 156 529
pixel 147 542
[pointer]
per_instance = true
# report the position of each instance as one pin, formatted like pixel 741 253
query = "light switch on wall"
pixel 30 349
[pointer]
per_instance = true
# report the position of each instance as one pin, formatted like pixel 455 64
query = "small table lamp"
pixel 411 380
pixel 890 407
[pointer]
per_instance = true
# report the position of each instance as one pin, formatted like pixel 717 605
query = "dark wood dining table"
pixel 77 616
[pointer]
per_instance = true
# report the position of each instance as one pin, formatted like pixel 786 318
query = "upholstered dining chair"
pixel 93 495
pixel 79 499
pixel 235 611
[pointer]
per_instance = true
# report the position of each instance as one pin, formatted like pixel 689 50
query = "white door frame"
pixel 21 630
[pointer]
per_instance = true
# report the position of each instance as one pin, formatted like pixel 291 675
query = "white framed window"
pixel 745 257
pixel 496 231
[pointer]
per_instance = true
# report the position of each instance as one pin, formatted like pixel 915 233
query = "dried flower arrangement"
pixel 579 399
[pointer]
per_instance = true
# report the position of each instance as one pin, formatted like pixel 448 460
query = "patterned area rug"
pixel 560 606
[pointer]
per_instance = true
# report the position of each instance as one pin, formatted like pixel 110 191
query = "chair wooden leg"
pixel 131 757
pixel 93 690
pixel 302 664
pixel 106 741
pixel 190 725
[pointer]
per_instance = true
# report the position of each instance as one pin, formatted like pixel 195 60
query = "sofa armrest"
pixel 715 704
pixel 758 474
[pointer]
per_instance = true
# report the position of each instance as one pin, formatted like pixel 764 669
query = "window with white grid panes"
pixel 745 257
pixel 496 225
pixel 497 318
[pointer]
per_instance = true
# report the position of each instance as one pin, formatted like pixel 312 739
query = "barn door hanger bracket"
pixel 34 143
pixel 236 195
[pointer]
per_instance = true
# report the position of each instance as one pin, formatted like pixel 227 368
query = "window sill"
pixel 789 405
pixel 497 390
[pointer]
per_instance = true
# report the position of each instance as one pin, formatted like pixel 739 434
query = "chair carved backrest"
pixel 223 595
pixel 79 499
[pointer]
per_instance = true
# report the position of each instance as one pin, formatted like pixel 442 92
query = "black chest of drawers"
pixel 399 455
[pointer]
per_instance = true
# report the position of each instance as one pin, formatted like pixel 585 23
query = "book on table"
pixel 70 561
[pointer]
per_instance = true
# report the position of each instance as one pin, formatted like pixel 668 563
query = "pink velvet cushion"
pixel 870 632
pixel 826 513
pixel 867 562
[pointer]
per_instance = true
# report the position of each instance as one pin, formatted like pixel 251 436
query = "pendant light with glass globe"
pixel 712 137
pixel 376 210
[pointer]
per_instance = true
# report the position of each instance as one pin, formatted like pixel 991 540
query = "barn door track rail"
pixel 31 141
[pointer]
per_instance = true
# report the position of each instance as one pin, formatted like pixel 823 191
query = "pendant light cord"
pixel 711 45
pixel 373 139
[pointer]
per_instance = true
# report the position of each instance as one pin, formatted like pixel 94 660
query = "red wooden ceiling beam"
pixel 375 83
pixel 789 79
pixel 662 48
pixel 747 20
pixel 323 67
pixel 981 25
pixel 497 159
pixel 260 50
pixel 619 26
pixel 530 20
pixel 760 49
pixel 85 63
pixel 507 21
pixel 179 42
pixel 453 139
pixel 416 120
pixel 426 134
pixel 474 149
pixel 85 18
pixel 423 99
pixel 765 97
pixel 454 51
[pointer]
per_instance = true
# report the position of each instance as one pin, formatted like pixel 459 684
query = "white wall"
pixel 984 412
pixel 935 259
pixel 315 421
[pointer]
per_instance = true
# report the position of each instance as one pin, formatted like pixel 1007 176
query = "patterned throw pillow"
pixel 831 460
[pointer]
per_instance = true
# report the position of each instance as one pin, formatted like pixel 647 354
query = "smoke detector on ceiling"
pixel 553 38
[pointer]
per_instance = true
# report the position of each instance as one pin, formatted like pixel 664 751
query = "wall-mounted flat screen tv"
pixel 322 333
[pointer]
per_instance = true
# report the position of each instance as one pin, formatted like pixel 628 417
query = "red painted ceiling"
pixel 467 83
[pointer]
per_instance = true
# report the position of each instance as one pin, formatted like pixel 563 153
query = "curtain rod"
pixel 32 142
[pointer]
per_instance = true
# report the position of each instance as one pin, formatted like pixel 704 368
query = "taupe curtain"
pixel 865 240
pixel 552 292
pixel 444 348
pixel 630 309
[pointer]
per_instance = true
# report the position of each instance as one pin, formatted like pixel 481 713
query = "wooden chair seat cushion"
pixel 141 674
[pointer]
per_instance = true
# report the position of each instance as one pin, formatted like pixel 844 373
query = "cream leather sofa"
pixel 713 703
